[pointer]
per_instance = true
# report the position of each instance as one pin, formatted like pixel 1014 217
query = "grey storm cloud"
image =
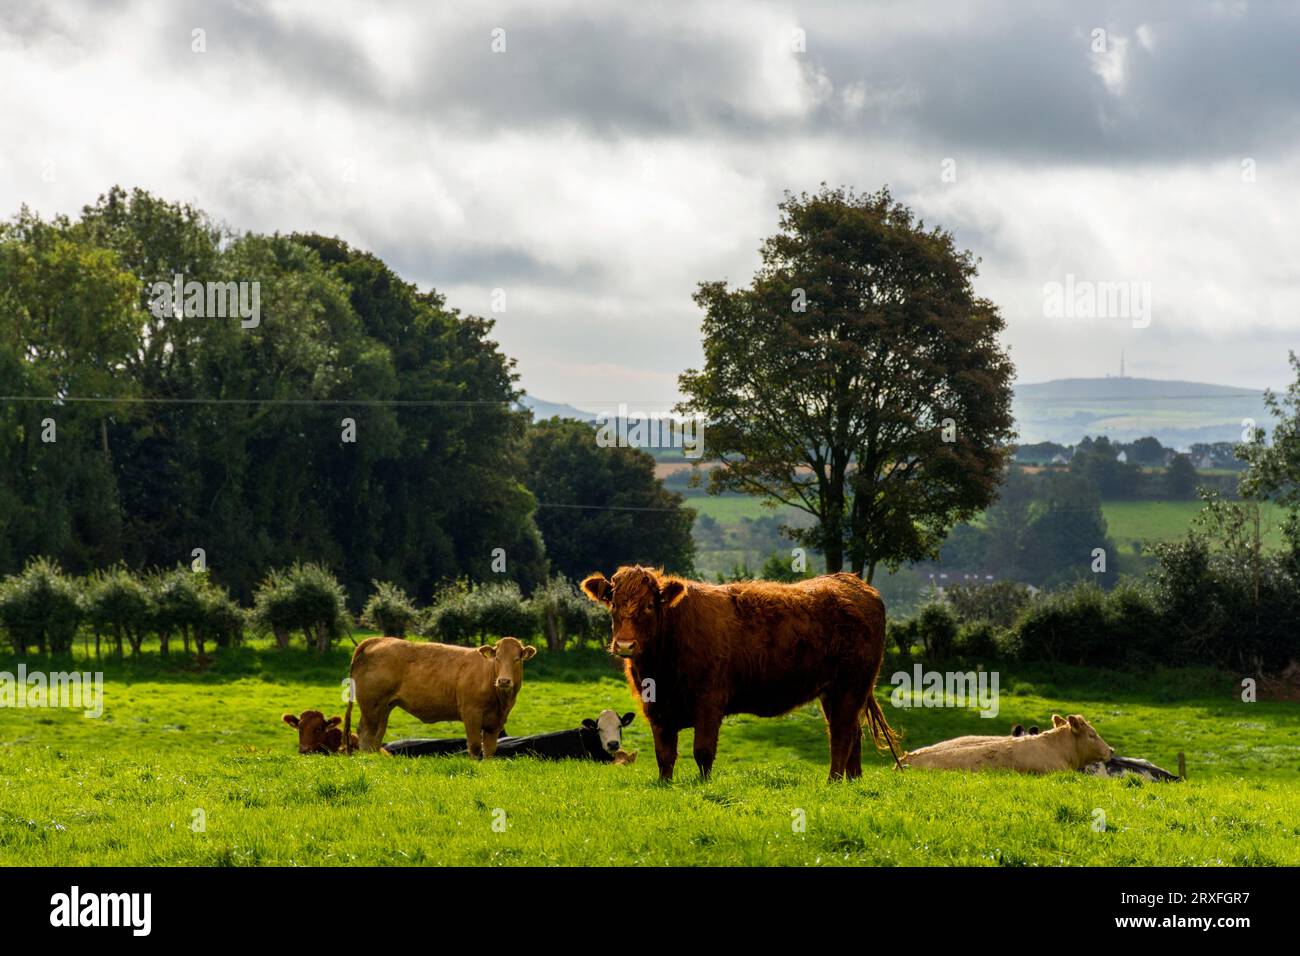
pixel 1014 78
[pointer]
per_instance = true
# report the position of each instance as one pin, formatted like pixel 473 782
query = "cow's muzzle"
pixel 612 746
pixel 625 648
pixel 504 683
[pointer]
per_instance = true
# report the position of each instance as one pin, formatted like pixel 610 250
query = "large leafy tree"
pixel 599 507
pixel 1273 465
pixel 858 378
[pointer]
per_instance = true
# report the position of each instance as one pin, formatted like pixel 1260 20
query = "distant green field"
pixel 730 509
pixel 193 767
pixel 1127 521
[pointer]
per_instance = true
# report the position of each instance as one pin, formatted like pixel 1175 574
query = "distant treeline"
pixel 357 422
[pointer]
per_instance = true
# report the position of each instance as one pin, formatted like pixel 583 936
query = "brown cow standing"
pixel 696 652
pixel 433 682
pixel 316 735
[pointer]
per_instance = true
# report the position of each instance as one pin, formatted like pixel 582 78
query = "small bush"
pixel 978 639
pixel 902 634
pixel 306 598
pixel 936 630
pixel 389 610
pixel 502 612
pixel 119 605
pixel 562 612
pixel 1067 626
pixel 999 602
pixel 40 606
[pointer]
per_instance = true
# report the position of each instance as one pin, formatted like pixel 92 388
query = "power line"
pixel 137 400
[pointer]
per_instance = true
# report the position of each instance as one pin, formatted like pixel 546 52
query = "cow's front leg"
pixel 489 740
pixel 474 735
pixel 665 750
pixel 707 725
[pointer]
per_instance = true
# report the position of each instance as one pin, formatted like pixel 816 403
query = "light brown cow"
pixel 433 682
pixel 1069 745
pixel 316 735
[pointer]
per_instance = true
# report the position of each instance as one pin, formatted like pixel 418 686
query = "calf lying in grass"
pixel 1115 766
pixel 1070 745
pixel 316 735
pixel 600 740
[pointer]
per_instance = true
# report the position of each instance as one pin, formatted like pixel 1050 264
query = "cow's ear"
pixel 488 651
pixel 1017 731
pixel 290 719
pixel 672 593
pixel 529 653
pixel 627 718
pixel 1033 731
pixel 334 721
pixel 589 723
pixel 1076 723
pixel 1058 720
pixel 598 588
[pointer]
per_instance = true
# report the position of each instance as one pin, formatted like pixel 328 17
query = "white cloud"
pixel 600 206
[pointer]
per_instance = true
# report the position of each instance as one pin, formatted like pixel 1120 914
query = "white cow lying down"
pixel 1116 766
pixel 1070 745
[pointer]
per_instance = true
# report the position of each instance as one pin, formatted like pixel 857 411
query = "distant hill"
pixel 542 410
pixel 1177 413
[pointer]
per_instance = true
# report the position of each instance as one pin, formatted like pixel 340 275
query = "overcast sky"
pixel 614 155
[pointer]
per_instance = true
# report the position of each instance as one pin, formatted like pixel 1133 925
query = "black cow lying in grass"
pixel 1116 766
pixel 599 740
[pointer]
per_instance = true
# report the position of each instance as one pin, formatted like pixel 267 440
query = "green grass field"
pixel 177 745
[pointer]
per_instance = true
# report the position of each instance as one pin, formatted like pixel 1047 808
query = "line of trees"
pixel 360 423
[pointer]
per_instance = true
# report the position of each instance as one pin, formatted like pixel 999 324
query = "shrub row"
pixel 556 610
pixel 45 609
pixel 1198 607
pixel 42 607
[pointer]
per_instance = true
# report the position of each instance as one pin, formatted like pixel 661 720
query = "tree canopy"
pixel 858 378
pixel 135 436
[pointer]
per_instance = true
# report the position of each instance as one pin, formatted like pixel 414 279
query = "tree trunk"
pixel 164 642
pixel 554 633
pixel 185 636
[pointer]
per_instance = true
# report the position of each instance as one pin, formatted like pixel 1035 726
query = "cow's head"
pixel 314 735
pixel 610 727
pixel 1087 741
pixel 637 599
pixel 507 656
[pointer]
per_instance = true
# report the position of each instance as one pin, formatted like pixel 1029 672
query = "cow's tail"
pixel 352 694
pixel 882 735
